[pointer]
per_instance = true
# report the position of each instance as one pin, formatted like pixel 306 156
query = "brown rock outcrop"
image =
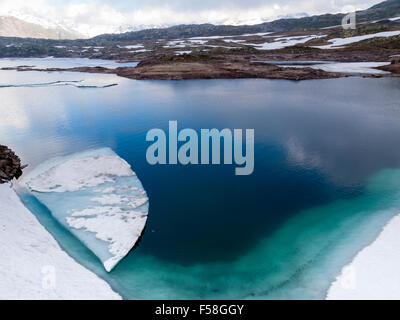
pixel 10 165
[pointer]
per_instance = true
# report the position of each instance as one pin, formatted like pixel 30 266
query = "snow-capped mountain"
pixel 14 27
pixel 58 27
pixel 55 26
pixel 294 16
pixel 94 30
pixel 32 17
pixel 19 22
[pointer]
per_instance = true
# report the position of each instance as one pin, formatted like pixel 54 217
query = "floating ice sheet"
pixel 80 84
pixel 97 196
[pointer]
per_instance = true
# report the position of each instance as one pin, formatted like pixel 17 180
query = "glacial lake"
pixel 326 178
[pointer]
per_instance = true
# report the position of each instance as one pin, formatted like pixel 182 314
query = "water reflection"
pixel 317 142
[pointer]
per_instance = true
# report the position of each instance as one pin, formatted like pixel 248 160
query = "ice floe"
pixel 140 51
pixel 338 43
pixel 81 84
pixel 79 173
pixel 260 34
pixel 97 196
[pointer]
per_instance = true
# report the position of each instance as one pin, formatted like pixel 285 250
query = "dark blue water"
pixel 320 148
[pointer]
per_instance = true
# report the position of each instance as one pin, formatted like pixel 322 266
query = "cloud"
pixel 100 16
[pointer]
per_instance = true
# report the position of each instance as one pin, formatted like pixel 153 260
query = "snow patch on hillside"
pixel 283 42
pixel 338 43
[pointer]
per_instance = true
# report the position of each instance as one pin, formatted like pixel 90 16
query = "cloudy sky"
pixel 99 16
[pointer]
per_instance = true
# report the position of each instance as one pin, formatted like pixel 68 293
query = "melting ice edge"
pixel 97 197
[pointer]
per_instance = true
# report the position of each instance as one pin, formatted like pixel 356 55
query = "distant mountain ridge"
pixel 14 27
pixel 383 10
pixel 22 24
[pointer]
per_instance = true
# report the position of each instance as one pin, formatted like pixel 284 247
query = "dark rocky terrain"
pixel 10 165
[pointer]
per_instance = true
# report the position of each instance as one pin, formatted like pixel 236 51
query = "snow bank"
pixel 374 272
pixel 284 42
pixel 338 43
pixel 347 67
pixel 33 266
pixel 260 34
pixel 134 46
pixel 356 68
pixel 185 43
pixel 178 53
pixel 97 196
pixel 353 67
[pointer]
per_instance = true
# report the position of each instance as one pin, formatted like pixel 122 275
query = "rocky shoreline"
pixel 10 165
pixel 230 67
pixel 394 68
pixel 155 69
pixel 218 69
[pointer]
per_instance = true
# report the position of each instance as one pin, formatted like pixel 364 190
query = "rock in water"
pixel 96 196
pixel 10 165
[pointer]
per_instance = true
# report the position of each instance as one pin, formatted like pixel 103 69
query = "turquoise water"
pixel 325 180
